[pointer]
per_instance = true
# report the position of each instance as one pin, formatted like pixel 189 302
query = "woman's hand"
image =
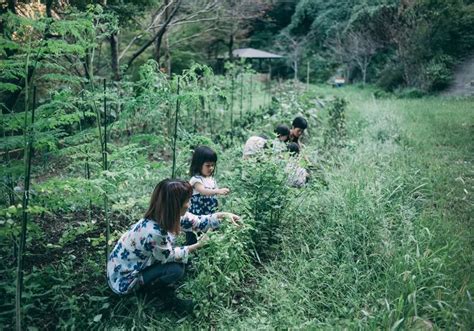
pixel 235 219
pixel 203 240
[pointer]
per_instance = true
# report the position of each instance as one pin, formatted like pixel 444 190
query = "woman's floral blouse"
pixel 144 244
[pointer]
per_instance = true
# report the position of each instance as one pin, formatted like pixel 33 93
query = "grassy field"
pixel 381 238
pixel 389 242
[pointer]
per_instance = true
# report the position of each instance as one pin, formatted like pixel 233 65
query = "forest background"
pixel 392 43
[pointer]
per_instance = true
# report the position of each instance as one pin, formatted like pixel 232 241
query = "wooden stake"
pixel 173 172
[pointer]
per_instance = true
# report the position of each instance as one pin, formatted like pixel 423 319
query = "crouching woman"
pixel 146 255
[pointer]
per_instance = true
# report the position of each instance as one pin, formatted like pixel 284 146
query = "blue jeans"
pixel 163 274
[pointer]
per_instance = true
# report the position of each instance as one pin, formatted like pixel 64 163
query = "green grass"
pixel 389 243
pixel 385 243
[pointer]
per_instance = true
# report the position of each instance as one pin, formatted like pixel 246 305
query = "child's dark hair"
pixel 293 148
pixel 300 122
pixel 201 155
pixel 282 130
pixel 166 202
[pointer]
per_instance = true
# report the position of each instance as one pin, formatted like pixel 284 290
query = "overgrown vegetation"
pixel 379 238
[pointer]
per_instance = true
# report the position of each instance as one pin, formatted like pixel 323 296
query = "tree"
pixel 194 20
pixel 293 46
pixel 234 22
pixel 170 16
pixel 157 37
pixel 356 48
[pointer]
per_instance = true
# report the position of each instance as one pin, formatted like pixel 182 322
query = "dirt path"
pixel 463 84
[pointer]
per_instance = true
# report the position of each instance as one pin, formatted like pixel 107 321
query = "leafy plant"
pixel 336 130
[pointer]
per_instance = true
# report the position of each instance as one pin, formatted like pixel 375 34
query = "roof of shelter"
pixel 252 53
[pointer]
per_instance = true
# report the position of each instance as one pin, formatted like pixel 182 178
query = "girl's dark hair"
pixel 201 155
pixel 293 148
pixel 282 130
pixel 166 203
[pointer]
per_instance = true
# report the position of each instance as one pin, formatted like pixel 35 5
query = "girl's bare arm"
pixel 206 191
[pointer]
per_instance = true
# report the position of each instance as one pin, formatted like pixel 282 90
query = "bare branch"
pixel 194 21
pixel 193 36
pixel 195 13
pixel 159 14
pixel 158 35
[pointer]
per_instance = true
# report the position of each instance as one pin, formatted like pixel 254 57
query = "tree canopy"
pixel 392 43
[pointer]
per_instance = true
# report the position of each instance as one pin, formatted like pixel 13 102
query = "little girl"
pixel 146 255
pixel 205 190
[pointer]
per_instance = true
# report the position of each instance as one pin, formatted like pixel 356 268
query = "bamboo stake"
pixel 105 166
pixel 232 110
pixel 202 99
pixel 104 150
pixel 241 95
pixel 195 110
pixel 211 114
pixel 26 198
pixel 269 86
pixel 173 172
pixel 250 94
pixel 307 74
pixel 87 172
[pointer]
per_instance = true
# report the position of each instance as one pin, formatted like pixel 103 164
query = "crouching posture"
pixel 146 255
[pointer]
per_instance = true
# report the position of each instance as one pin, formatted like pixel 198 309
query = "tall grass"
pixel 384 241
pixel 388 243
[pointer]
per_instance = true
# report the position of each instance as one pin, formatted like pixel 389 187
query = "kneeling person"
pixel 146 255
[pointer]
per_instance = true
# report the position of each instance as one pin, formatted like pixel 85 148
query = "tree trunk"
pixel 114 54
pixel 307 74
pixel 3 10
pixel 295 68
pixel 12 6
pixel 49 8
pixel 168 56
pixel 231 46
pixel 158 42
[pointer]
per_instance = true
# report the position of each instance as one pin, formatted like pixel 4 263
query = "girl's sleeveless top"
pixel 203 204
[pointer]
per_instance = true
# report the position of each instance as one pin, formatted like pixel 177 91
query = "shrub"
pixel 391 77
pixel 410 93
pixel 438 73
pixel 380 94
pixel 336 128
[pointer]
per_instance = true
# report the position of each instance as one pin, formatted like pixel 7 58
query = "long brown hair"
pixel 166 202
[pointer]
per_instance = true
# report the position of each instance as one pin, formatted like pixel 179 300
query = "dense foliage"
pixel 392 43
